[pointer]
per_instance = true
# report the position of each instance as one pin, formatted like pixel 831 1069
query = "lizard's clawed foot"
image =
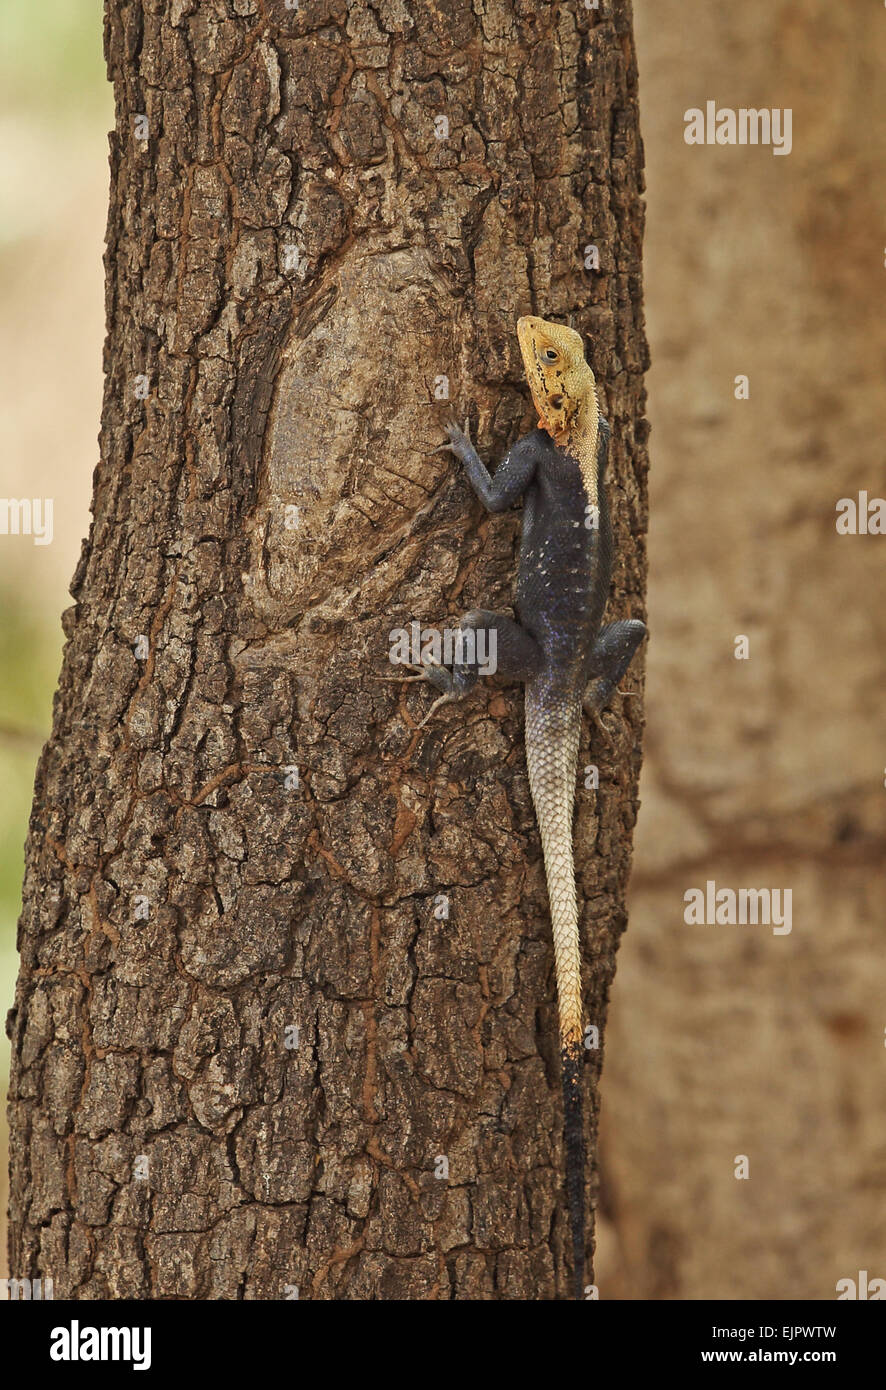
pixel 459 438
pixel 427 673
pixel 597 720
pixel 434 675
pixel 399 680
pixel 441 700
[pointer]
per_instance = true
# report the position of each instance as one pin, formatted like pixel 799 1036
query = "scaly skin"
pixel 558 648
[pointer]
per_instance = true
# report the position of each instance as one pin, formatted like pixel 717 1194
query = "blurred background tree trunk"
pixel 767 772
pixel 285 1018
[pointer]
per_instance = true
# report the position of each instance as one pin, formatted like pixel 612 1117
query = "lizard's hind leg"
pixel 486 644
pixel 612 655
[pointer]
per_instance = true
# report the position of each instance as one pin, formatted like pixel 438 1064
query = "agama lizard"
pixel 558 648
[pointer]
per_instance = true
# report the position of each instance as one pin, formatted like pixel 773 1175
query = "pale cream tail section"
pixel 553 729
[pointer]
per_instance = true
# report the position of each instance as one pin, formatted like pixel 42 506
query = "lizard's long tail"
pixel 553 727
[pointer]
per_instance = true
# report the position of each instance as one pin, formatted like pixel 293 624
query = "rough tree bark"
pixel 299 249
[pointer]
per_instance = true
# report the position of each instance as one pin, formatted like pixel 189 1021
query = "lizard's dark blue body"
pixel 565 561
pixel 563 576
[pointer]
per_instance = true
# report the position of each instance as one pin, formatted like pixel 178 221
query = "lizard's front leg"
pixel 512 477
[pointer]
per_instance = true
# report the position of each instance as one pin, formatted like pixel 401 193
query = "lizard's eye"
pixel 556 402
pixel 550 354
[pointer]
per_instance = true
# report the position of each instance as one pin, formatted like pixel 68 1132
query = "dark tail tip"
pixel 574 1145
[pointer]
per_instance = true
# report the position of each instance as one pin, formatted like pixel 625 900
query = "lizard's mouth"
pixel 526 325
pixel 528 329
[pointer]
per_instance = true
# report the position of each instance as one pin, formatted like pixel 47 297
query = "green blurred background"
pixel 56 109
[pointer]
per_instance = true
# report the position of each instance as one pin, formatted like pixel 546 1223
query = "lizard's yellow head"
pixel 559 378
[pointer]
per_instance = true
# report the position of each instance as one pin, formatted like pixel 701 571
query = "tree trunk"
pixel 252 1054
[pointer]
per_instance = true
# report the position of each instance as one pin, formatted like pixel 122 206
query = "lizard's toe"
pixel 458 433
